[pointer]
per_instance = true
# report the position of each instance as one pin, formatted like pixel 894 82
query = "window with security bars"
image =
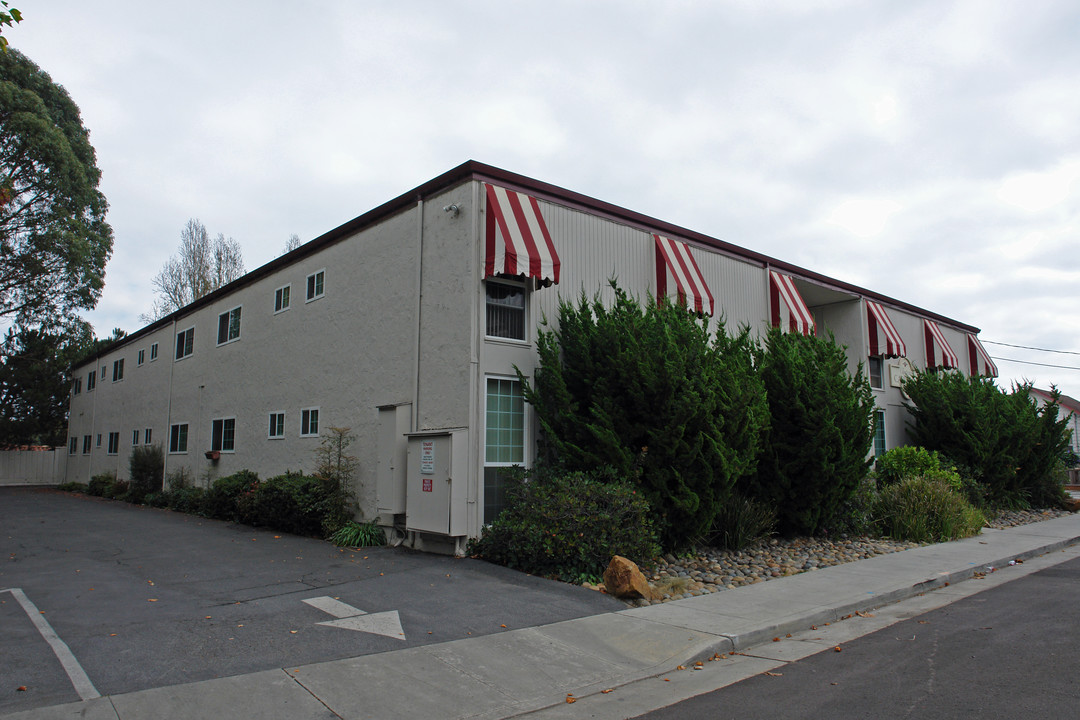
pixel 504 443
pixel 505 311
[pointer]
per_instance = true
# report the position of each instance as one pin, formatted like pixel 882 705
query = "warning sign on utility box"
pixel 427 484
pixel 427 460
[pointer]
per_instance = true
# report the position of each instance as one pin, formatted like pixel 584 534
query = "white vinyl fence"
pixel 33 467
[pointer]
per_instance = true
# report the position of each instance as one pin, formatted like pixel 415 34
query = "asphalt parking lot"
pixel 148 598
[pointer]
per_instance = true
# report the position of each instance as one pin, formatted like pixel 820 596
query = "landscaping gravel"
pixel 711 570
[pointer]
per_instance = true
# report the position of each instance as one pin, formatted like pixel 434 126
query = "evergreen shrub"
pixel 146 466
pixel 924 509
pixel 299 504
pixel 1008 442
pixel 650 393
pixel 102 485
pixel 742 521
pixel 568 525
pixel 222 498
pixel 187 499
pixel 819 435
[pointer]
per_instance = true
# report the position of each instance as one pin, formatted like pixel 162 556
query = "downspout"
pixel 415 423
pixel 473 518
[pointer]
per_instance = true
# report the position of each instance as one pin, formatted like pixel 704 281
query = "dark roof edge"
pixel 473 170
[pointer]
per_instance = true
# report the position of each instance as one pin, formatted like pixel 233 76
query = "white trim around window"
pixel 309 422
pixel 185 343
pixel 229 326
pixel 178 439
pixel 316 285
pixel 282 298
pixel 276 426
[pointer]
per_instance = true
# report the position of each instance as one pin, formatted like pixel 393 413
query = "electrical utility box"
pixel 436 482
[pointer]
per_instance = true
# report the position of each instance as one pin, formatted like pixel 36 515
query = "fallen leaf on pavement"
pixel 605 692
pixel 21 688
pixel 837 648
pixel 772 674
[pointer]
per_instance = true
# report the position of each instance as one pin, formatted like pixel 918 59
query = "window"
pixel 281 298
pixel 99 439
pixel 185 343
pixel 86 444
pixel 223 435
pixel 153 352
pixel 118 370
pixel 309 422
pixel 178 438
pixel 879 433
pixel 315 289
pixel 114 443
pixel 134 437
pixel 147 433
pixel 505 311
pixel 277 425
pixel 142 357
pixel 874 367
pixel 228 326
pixel 73 445
pixel 91 381
pixel 504 443
pixel 103 372
pixel 76 386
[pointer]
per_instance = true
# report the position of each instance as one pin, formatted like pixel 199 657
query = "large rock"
pixel 623 579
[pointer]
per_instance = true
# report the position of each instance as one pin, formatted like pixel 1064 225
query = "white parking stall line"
pixel 71 666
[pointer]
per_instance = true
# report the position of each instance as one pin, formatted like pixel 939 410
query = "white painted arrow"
pixel 350 618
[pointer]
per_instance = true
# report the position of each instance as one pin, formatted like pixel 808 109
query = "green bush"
pixel 157 499
pixel 222 498
pixel 652 394
pixel 187 499
pixel 75 487
pixel 742 521
pixel 102 485
pixel 298 504
pixel 820 432
pixel 911 461
pixel 147 470
pixel 925 510
pixel 1009 443
pixel 354 534
pixel 568 525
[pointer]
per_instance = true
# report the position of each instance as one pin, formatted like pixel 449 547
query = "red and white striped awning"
pixel 938 352
pixel 884 337
pixel 674 261
pixel 517 238
pixel 789 311
pixel 981 364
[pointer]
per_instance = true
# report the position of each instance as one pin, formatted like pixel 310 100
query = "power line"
pixel 1026 347
pixel 1028 362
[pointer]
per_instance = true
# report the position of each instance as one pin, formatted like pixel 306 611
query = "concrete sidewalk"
pixel 524 671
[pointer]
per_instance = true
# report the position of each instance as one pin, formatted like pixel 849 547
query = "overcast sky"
pixel 928 150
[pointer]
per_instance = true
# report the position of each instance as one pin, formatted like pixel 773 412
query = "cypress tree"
pixel 820 434
pixel 651 394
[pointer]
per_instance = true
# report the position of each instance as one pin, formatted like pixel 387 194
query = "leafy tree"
pixel 1005 440
pixel 54 241
pixel 200 267
pixel 8 17
pixel 35 383
pixel 820 434
pixel 649 394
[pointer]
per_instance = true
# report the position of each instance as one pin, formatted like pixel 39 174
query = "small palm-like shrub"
pixel 354 534
pixel 741 521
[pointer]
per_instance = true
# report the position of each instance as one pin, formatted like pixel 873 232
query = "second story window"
pixel 316 285
pixel 228 326
pixel 185 343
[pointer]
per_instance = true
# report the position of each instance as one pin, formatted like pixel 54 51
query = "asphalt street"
pixel 1010 651
pixel 148 598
